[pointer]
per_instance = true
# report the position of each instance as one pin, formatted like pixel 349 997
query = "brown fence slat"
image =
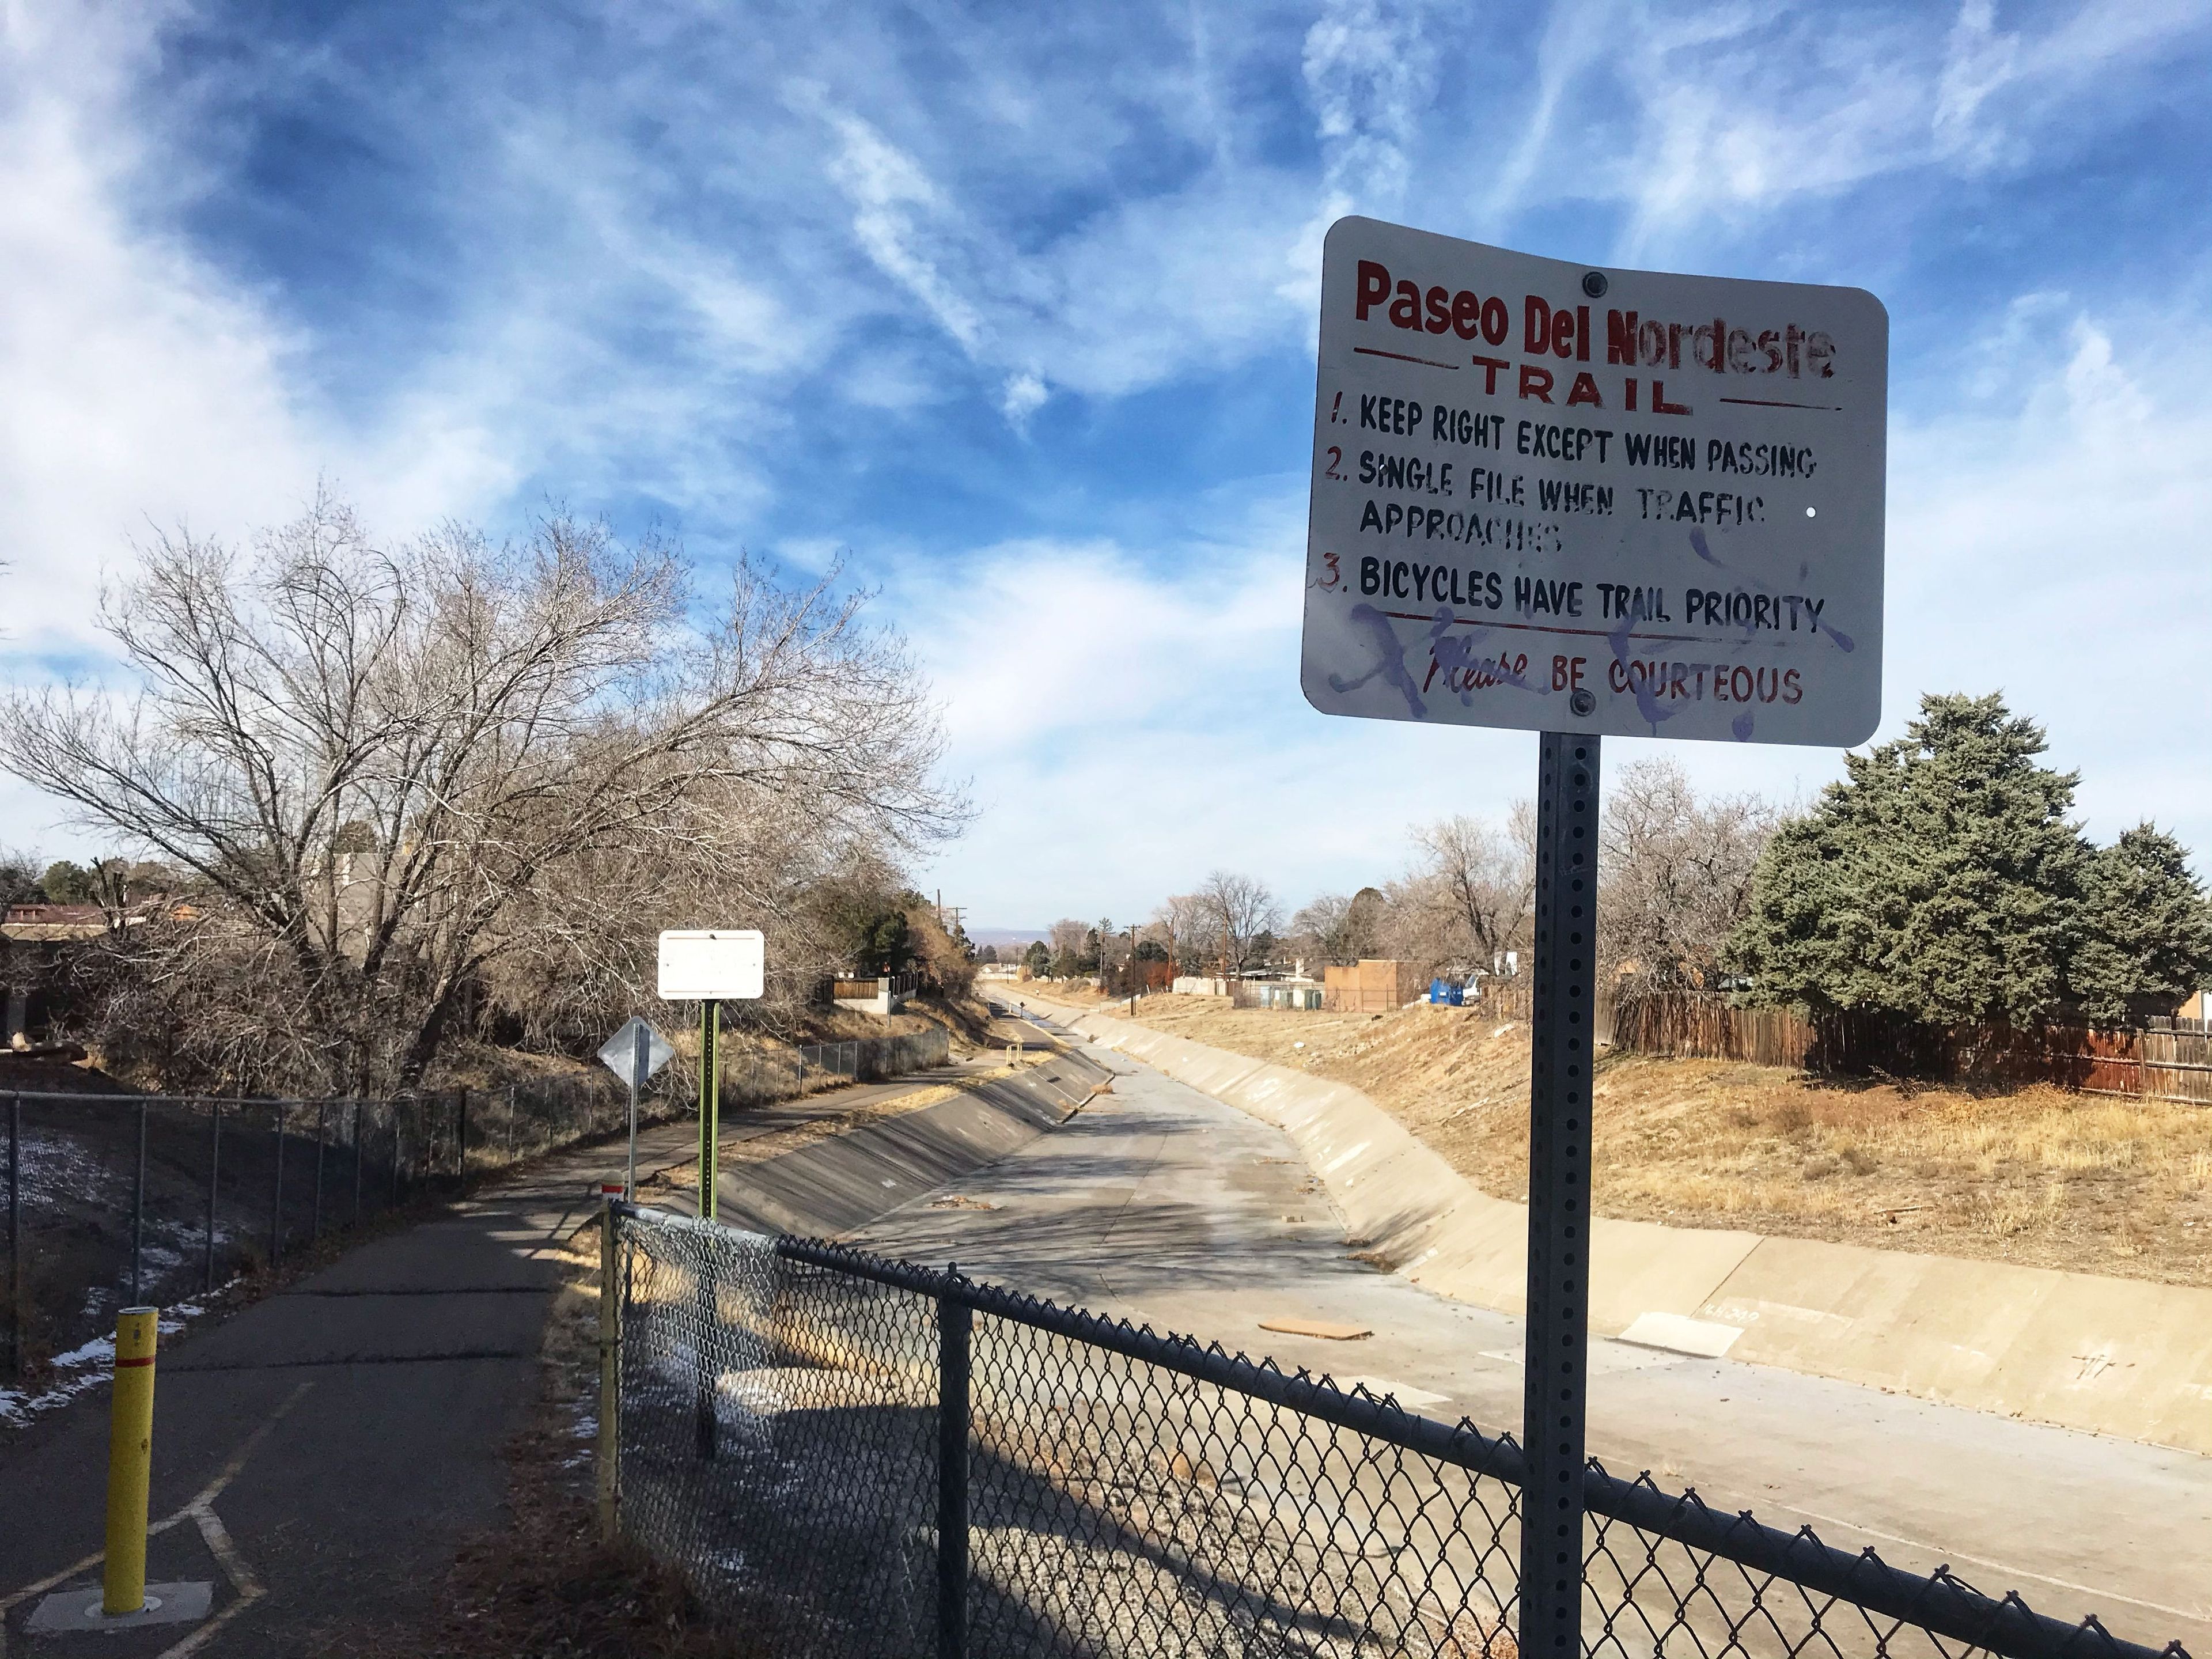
pixel 2155 1065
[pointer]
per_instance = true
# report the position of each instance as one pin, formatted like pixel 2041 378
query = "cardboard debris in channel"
pixel 1326 1328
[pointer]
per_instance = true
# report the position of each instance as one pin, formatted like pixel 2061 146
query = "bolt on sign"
pixel 1560 497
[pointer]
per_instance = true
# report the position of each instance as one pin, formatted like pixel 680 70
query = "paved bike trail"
pixel 320 1455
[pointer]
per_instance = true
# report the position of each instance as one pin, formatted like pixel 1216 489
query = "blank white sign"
pixel 712 964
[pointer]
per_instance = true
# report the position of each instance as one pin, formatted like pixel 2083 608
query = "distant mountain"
pixel 1007 935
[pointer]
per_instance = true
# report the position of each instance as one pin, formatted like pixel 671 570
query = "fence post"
pixel 392 1202
pixel 139 1210
pixel 610 1448
pixel 214 1169
pixel 315 1216
pixel 954 1320
pixel 461 1137
pixel 510 1123
pixel 15 1237
pixel 356 1164
pixel 276 1204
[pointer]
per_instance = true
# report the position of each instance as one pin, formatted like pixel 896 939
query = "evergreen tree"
pixel 2146 929
pixel 1941 881
pixel 67 882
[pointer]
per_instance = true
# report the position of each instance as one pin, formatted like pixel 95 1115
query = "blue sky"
pixel 1015 306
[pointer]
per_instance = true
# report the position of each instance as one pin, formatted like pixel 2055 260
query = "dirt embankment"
pixel 2036 1176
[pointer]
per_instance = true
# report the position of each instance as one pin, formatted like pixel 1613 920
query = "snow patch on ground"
pixel 58 1170
pixel 81 1368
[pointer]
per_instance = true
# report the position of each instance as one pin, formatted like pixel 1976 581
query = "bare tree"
pixel 1237 912
pixel 1183 928
pixel 1468 896
pixel 19 876
pixel 1070 941
pixel 1674 874
pixel 1317 929
pixel 390 775
pixel 1337 929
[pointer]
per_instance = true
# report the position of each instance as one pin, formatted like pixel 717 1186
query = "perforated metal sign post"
pixel 1582 502
pixel 1556 1341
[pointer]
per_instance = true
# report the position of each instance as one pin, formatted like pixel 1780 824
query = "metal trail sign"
pixel 1584 502
pixel 1546 495
pixel 633 1053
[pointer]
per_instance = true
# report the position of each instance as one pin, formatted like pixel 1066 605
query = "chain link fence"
pixel 112 1200
pixel 850 1456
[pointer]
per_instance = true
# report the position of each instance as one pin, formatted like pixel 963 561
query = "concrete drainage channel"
pixel 2122 1357
pixel 845 1182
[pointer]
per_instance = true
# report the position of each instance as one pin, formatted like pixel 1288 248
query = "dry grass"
pixel 2036 1176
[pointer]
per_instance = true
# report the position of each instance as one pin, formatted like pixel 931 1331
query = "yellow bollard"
pixel 130 1457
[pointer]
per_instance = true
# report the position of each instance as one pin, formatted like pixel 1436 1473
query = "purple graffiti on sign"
pixel 1390 660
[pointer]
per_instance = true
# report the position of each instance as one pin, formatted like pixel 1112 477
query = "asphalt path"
pixel 1158 1203
pixel 320 1456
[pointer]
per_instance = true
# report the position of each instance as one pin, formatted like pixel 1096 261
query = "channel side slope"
pixel 2114 1356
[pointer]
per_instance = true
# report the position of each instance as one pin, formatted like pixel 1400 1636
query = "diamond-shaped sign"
pixel 635 1052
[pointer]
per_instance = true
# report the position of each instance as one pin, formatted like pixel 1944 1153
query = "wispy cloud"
pixel 136 382
pixel 898 213
pixel 1019 306
pixel 1370 71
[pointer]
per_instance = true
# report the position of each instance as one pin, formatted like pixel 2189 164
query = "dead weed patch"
pixel 2037 1175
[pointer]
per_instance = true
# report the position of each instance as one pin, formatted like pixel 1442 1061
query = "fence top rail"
pixel 1381 1418
pixel 1940 1602
pixel 215 1099
pixel 672 1221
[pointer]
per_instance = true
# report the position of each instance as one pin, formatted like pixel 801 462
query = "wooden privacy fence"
pixel 2151 1065
pixel 898 984
pixel 1371 986
pixel 1705 1027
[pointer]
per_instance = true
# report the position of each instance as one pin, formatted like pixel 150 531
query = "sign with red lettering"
pixel 1561 497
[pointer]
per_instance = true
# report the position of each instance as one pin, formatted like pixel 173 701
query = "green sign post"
pixel 708 965
pixel 710 1101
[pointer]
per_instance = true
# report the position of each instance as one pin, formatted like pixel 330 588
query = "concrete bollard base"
pixel 79 1609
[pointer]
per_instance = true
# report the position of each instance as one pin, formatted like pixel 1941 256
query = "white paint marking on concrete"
pixel 1750 1313
pixel 1678 1333
pixel 2010 1569
pixel 1343 1158
pixel 1606 1356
